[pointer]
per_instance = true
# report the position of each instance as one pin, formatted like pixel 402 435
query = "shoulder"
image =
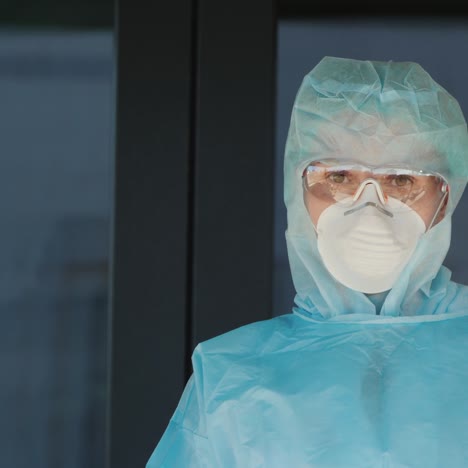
pixel 249 339
pixel 458 297
pixel 235 359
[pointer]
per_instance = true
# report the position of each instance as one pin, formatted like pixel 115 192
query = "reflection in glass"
pixel 56 122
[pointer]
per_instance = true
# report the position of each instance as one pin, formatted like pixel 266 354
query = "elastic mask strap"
pixel 442 201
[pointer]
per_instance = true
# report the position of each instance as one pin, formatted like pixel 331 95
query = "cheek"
pixel 428 209
pixel 426 215
pixel 315 206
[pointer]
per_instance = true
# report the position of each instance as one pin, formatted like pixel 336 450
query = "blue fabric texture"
pixel 343 380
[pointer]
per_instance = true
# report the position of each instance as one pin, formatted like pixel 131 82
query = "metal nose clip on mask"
pixel 366 241
pixel 380 194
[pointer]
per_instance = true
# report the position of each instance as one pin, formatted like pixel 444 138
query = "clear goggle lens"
pixel 334 181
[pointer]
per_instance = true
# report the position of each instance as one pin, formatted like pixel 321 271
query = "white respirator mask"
pixel 368 228
pixel 367 246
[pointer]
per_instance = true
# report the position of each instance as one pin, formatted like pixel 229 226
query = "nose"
pixel 369 193
pixel 365 185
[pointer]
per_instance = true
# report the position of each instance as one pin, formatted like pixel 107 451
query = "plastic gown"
pixel 343 380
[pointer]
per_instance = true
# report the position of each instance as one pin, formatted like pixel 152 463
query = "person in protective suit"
pixel 371 367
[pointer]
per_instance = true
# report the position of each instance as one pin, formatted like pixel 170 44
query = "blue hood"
pixel 377 113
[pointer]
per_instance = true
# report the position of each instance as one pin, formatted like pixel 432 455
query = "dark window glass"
pixel 56 173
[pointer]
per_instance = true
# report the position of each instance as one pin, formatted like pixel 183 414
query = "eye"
pixel 402 180
pixel 337 177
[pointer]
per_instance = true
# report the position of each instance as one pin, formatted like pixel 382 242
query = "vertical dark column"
pixel 151 228
pixel 194 198
pixel 234 166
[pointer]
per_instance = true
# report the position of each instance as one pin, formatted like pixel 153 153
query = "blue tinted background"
pixel 439 46
pixel 56 173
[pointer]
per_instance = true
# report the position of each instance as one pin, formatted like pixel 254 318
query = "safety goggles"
pixel 337 181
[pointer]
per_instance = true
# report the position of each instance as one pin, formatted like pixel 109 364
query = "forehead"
pixel 358 166
pixel 373 146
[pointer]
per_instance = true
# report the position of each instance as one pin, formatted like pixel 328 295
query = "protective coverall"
pixel 343 380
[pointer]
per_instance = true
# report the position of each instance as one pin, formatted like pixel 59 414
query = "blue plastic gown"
pixel 346 380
